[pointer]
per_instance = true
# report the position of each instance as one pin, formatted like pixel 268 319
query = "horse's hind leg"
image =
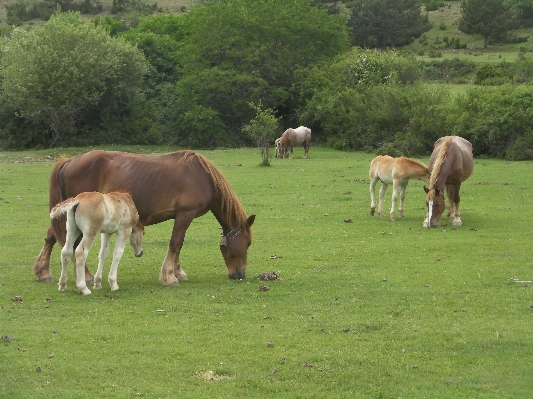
pixel 373 183
pixel 382 191
pixel 41 266
pixel 395 184
pixel 81 252
pixel 102 256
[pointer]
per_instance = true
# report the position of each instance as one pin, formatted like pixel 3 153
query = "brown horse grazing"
pixel 291 137
pixel 450 164
pixel 395 171
pixel 181 186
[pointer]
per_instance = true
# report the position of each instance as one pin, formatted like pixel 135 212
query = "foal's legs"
pixel 102 256
pixel 382 191
pixel 171 271
pixel 395 184
pixel 81 256
pixel 403 187
pixel 373 183
pixel 120 241
pixel 66 256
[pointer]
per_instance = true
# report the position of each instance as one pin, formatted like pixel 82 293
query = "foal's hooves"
pixel 372 211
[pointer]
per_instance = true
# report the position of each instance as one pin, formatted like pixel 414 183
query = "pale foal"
pixel 91 213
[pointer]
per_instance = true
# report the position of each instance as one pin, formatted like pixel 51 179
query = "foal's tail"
pixel 63 207
pixel 55 197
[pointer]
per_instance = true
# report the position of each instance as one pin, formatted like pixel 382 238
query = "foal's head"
pixel 136 239
pixel 435 204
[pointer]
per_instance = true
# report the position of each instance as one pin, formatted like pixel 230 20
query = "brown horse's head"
pixel 234 247
pixel 435 204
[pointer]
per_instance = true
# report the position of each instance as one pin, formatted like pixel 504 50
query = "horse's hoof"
pixel 46 278
pixel 372 211
pixel 85 291
pixel 457 223
pixel 182 276
pixel 169 282
pixel 392 219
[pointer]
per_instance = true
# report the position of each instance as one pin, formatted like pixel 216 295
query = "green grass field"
pixel 364 308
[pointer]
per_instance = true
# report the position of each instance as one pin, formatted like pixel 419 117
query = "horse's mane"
pixel 229 202
pixel 441 157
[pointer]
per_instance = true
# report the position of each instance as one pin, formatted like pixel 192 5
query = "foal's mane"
pixel 229 202
pixel 441 157
pixel 415 161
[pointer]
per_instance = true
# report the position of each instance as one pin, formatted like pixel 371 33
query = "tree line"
pixel 199 79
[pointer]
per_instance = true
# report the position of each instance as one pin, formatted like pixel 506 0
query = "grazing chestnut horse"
pixel 395 171
pixel 92 213
pixel 292 137
pixel 450 164
pixel 181 186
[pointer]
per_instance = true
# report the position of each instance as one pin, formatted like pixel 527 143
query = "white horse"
pixel 395 171
pixel 89 214
pixel 292 137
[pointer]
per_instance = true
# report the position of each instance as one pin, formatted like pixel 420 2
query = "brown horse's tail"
pixel 56 196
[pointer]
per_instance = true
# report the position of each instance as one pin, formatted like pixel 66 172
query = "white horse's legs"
pixel 120 242
pixel 382 191
pixel 102 256
pixel 81 256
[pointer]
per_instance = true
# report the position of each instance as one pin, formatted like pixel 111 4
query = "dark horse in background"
pixel 450 164
pixel 181 186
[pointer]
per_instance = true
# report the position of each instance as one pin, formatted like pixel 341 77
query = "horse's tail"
pixel 55 197
pixel 63 207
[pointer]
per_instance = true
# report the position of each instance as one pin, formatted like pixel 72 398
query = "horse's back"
pixel 157 184
pixel 459 155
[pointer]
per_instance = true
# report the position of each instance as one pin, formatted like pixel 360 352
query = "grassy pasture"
pixel 363 309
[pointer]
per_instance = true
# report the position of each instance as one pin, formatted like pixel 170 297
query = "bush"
pixel 496 120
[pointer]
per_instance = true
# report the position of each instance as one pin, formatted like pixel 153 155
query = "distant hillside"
pixel 445 28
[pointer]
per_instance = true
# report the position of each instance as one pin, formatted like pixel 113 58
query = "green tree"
pixel 389 22
pixel 484 17
pixel 56 74
pixel 262 130
pixel 241 51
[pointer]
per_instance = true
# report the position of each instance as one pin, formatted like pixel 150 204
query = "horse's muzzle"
pixel 139 255
pixel 238 274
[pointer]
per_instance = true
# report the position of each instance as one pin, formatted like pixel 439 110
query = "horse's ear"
pixel 250 220
pixel 426 189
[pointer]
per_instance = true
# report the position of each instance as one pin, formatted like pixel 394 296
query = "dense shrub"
pixel 453 70
pixel 496 120
pixel 494 75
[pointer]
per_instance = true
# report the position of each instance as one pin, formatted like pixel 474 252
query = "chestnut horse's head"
pixel 435 204
pixel 234 247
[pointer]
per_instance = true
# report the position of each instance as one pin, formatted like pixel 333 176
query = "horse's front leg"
pixel 102 256
pixel 382 191
pixel 394 199
pixel 41 266
pixel 171 271
pixel 403 187
pixel 453 195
